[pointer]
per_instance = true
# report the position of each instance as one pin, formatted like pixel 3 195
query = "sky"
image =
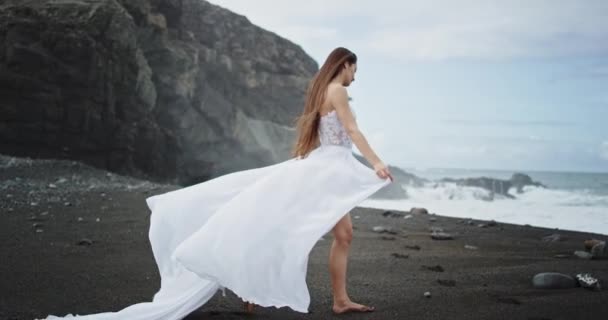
pixel 509 85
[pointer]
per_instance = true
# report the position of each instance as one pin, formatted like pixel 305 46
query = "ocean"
pixel 572 200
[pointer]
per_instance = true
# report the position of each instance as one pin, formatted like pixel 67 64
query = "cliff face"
pixel 174 90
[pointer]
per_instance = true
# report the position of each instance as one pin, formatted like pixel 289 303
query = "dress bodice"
pixel 332 132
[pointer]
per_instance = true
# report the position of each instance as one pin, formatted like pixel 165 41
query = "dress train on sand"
pixel 250 231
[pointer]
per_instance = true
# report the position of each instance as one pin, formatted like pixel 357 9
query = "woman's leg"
pixel 338 258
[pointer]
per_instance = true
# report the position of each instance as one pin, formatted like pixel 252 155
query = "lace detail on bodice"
pixel 331 130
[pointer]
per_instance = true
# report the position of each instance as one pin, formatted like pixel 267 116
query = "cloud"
pixel 495 30
pixel 439 29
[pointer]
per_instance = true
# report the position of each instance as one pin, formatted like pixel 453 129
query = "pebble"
pixel 408 216
pixel 552 238
pixel 590 243
pixel 583 254
pixel 80 219
pixel 416 210
pixel 587 281
pixel 436 268
pixel 427 294
pixel 382 229
pixel 599 250
pixel 466 246
pixel 441 236
pixel 379 229
pixel 85 242
pixel 446 283
pixel 390 214
pixel 553 280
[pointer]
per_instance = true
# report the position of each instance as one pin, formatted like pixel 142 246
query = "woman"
pixel 251 231
pixel 327 100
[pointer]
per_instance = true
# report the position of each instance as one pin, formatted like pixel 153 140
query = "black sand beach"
pixel 92 255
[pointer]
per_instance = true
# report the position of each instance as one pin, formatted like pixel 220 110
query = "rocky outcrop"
pixel 171 90
pixel 520 180
pixel 498 186
pixel 396 190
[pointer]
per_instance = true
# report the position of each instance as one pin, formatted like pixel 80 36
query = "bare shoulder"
pixel 337 92
pixel 336 89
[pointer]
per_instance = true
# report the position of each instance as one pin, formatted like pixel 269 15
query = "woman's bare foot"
pixel 350 306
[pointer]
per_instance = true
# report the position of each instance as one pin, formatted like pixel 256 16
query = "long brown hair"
pixel 307 124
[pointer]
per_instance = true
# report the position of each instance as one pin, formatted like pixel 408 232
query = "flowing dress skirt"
pixel 249 231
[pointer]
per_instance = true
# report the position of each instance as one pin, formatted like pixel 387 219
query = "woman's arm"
pixel 339 99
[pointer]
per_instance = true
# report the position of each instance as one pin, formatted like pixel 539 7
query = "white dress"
pixel 250 231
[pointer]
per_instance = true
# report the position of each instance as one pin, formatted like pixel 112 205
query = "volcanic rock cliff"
pixel 172 90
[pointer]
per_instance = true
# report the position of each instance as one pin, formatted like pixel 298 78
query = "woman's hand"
pixel 382 171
